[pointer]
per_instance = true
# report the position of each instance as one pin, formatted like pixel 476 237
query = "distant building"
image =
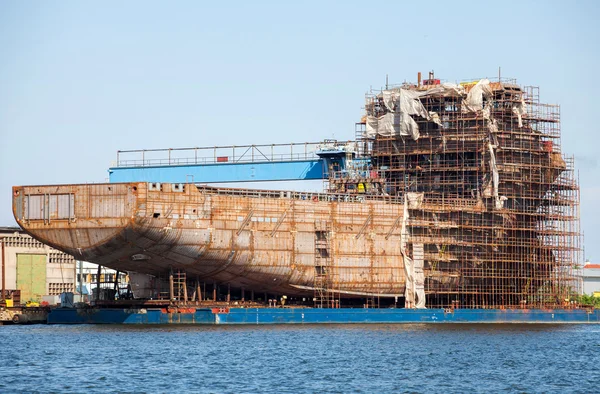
pixel 87 278
pixel 34 269
pixel 591 279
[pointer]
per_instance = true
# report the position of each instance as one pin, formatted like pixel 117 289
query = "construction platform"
pixel 23 315
pixel 264 316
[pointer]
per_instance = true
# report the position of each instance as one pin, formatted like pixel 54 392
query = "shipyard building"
pixel 591 279
pixel 32 271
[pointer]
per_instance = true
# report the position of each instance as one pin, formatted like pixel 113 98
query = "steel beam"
pixel 221 172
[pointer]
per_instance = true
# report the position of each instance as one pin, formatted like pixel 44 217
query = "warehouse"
pixel 32 270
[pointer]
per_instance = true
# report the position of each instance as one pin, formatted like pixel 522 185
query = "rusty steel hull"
pixel 262 241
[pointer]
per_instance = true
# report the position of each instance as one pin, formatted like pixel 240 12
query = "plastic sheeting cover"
pixel 402 104
pixel 409 296
pixel 474 100
pixel 414 292
pixel 419 275
pixel 519 110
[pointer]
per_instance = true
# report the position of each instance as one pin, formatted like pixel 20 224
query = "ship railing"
pixel 428 203
pixel 217 155
pixel 295 195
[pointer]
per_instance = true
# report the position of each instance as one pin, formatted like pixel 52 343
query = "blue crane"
pixel 221 164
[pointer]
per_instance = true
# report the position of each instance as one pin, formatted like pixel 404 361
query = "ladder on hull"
pixel 179 292
pixel 325 294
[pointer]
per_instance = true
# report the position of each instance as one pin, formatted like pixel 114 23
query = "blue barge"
pixel 259 316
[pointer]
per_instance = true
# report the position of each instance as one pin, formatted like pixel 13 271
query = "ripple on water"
pixel 295 359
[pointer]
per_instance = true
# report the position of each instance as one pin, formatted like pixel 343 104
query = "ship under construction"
pixel 450 195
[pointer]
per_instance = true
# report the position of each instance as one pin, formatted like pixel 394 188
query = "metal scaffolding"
pixel 498 204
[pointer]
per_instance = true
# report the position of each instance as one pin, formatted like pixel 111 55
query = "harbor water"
pixel 301 358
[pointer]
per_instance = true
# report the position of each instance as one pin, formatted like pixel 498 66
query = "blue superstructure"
pixel 221 172
pixel 250 163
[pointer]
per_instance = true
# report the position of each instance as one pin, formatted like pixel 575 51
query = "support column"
pixel 185 294
pixel 116 284
pixel 98 273
pixel 243 294
pixel 74 278
pixel 171 289
pixel 198 294
pixel 80 277
pixel 215 292
pixel 252 296
pixel 3 296
pixel 228 292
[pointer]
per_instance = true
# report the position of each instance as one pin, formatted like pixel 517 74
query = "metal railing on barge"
pixel 217 154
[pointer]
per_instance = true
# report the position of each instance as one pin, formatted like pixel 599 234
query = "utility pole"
pixel 2 296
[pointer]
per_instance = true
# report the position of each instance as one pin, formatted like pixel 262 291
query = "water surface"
pixel 301 359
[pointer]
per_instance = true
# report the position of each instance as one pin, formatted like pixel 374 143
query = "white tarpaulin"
pixel 409 294
pixel 419 276
pixel 495 177
pixel 392 125
pixel 519 110
pixel 388 124
pixel 474 100
pixel 444 90
pixel 415 200
pixel 402 104
pixel 492 144
pixel 409 103
pixel 371 129
pixel 414 293
pixel 389 99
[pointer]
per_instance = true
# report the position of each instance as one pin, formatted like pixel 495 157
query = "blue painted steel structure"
pixel 222 164
pixel 253 316
pixel 295 170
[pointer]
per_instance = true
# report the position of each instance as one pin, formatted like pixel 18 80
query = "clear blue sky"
pixel 80 80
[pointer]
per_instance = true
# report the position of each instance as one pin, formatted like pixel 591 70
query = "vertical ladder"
pixel 362 142
pixel 179 285
pixel 325 295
